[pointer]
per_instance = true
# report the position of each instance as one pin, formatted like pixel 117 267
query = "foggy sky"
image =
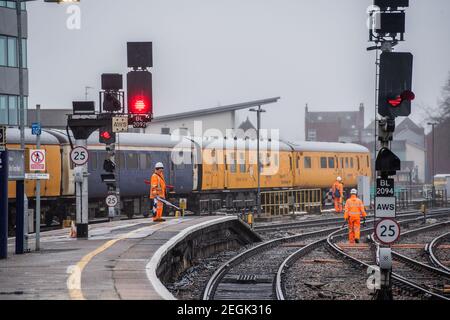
pixel 218 52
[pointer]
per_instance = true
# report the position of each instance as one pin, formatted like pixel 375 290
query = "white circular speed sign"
pixel 387 231
pixel 79 156
pixel 111 200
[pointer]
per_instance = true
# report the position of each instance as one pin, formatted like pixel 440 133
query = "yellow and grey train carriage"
pixel 228 172
pixel 219 171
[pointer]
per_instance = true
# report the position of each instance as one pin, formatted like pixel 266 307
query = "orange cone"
pixel 73 230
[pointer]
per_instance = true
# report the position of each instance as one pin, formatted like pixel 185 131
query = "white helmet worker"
pixel 339 179
pixel 354 191
pixel 159 165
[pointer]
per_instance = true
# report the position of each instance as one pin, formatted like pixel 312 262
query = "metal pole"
pixel 258 160
pixel 20 184
pixel 38 187
pixel 433 190
pixel 4 204
pixel 82 202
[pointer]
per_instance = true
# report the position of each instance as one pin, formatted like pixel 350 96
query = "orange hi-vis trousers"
pixel 354 227
pixel 338 205
pixel 157 209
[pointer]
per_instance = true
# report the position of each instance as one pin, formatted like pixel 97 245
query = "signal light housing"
pixel 139 91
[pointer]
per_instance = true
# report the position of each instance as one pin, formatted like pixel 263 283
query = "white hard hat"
pixel 339 179
pixel 354 191
pixel 159 165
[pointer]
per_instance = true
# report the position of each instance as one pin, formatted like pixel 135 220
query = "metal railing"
pixel 284 202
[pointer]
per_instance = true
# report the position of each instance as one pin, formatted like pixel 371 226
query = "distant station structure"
pixel 220 118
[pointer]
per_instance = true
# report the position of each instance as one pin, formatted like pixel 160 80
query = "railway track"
pixel 351 280
pixel 432 249
pixel 252 275
pixel 413 266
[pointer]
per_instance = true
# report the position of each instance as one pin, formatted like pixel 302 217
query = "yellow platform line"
pixel 74 280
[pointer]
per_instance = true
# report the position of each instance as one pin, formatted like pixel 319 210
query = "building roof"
pixel 221 109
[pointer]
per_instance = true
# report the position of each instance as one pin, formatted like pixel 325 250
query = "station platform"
pixel 118 261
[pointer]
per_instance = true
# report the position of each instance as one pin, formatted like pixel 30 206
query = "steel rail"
pixel 397 279
pixel 430 248
pixel 215 279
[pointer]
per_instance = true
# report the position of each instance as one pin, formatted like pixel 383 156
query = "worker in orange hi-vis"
pixel 338 194
pixel 158 190
pixel 354 211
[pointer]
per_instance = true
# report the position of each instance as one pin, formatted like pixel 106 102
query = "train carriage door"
pixel 214 169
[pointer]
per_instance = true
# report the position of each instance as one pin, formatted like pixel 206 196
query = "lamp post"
pixel 433 189
pixel 20 184
pixel 258 127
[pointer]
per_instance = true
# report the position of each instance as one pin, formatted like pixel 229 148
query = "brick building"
pixel 340 126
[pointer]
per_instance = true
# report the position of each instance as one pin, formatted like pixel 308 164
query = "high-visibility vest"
pixel 157 186
pixel 354 206
pixel 337 185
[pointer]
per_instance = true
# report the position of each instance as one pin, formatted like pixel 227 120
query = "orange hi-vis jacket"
pixel 354 207
pixel 340 187
pixel 157 186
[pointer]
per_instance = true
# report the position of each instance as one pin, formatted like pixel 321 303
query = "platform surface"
pixel 111 264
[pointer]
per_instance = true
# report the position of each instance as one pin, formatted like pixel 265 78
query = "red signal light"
pixel 105 135
pixel 140 105
pixel 395 102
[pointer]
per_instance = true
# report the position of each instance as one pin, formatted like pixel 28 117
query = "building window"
pixel 307 162
pixel 9 52
pixel 323 162
pixel 11 4
pixel 3 51
pixel 165 130
pixel 312 135
pixel 9 110
pixel 331 163
pixel 3 109
pixel 13 112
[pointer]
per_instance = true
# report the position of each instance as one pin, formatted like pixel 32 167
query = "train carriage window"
pixel 121 163
pixel 323 162
pixel 93 161
pixel 331 163
pixel 143 161
pixel 346 163
pixel 307 162
pixel 233 163
pixel 242 167
pixel 148 161
pixel 351 163
pixel 132 160
pixel 298 163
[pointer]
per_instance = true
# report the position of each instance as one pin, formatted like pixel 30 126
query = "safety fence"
pixel 415 197
pixel 283 202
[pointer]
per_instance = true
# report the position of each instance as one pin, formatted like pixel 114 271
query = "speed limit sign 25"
pixel 79 156
pixel 387 231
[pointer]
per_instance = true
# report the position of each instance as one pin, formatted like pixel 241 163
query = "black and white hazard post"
pixel 395 94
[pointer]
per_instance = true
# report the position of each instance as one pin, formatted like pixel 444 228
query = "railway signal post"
pixel 394 100
pixel 83 122
pixel 3 201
